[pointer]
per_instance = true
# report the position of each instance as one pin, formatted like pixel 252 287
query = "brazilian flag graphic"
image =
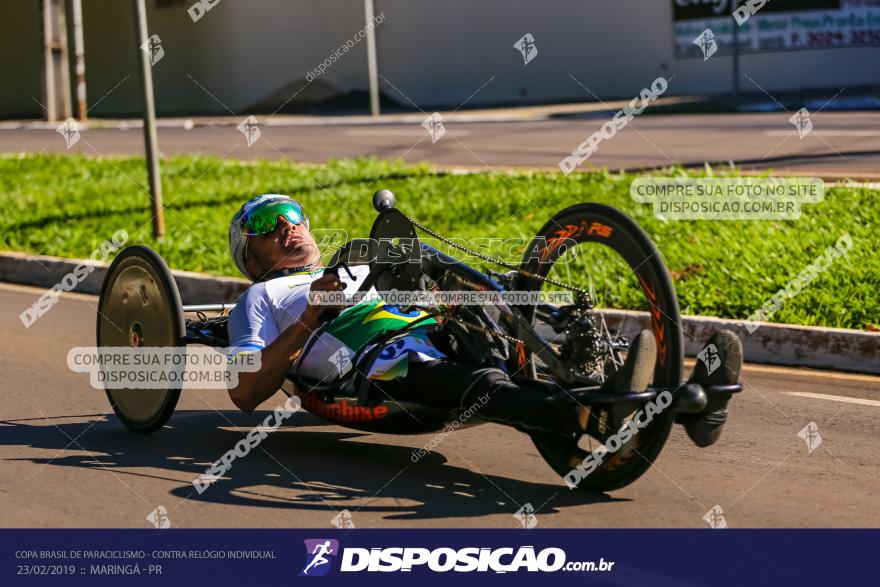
pixel 356 326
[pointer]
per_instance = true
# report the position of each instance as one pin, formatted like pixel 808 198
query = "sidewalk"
pixel 514 114
pixel 862 98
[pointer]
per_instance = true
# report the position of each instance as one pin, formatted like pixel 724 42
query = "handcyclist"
pixel 271 243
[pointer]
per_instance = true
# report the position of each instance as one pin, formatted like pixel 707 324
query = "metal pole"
pixel 56 79
pixel 63 61
pixel 735 55
pixel 150 139
pixel 80 59
pixel 48 63
pixel 372 67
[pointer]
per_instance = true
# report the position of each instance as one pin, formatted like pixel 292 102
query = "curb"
pixel 870 181
pixel 836 349
pixel 45 271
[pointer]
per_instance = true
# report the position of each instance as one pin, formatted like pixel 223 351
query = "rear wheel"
pixel 140 307
pixel 603 251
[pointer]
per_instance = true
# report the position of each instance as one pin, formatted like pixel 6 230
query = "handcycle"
pixel 618 286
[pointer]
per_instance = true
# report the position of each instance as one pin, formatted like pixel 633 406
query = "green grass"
pixel 68 205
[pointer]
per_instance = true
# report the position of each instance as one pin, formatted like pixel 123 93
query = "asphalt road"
pixel 67 461
pixel 842 144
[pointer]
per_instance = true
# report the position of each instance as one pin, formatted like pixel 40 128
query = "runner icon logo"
pixel 715 518
pixel 710 358
pixel 707 44
pixel 343 520
pixel 159 518
pixel 434 125
pixel 526 516
pixel 154 49
pixel 526 46
pixel 70 132
pixel 810 435
pixel 802 122
pixel 320 553
pixel 250 129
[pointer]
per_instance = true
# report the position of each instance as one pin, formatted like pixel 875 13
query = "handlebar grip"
pixel 332 313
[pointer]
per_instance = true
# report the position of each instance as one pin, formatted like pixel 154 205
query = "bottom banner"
pixel 618 557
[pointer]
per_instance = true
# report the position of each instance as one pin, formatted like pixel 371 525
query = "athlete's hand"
pixel 326 283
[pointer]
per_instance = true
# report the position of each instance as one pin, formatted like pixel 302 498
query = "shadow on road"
pixel 294 468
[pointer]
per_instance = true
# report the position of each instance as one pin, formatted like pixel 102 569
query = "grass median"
pixel 68 205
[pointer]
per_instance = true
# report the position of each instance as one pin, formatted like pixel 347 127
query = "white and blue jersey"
pixel 268 308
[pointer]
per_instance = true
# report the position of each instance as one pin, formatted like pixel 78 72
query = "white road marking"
pixel 801 371
pixel 394 132
pixel 35 290
pixel 834 398
pixel 827 133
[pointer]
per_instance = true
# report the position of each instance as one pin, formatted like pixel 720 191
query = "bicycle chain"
pixel 484 330
pixel 487 258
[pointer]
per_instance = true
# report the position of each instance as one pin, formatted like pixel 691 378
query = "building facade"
pixel 243 56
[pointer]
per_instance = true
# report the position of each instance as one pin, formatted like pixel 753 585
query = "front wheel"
pixel 603 251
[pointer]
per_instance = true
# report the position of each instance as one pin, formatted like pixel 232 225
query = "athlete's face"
pixel 289 245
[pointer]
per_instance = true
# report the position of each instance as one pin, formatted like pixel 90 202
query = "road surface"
pixel 842 144
pixel 67 461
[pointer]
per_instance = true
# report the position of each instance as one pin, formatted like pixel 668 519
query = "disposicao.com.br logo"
pixel 442 560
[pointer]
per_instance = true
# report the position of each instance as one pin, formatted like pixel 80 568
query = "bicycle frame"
pixel 439 265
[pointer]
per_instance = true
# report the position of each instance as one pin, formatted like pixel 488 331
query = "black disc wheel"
pixel 604 252
pixel 140 307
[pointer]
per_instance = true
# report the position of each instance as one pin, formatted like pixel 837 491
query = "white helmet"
pixel 237 233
